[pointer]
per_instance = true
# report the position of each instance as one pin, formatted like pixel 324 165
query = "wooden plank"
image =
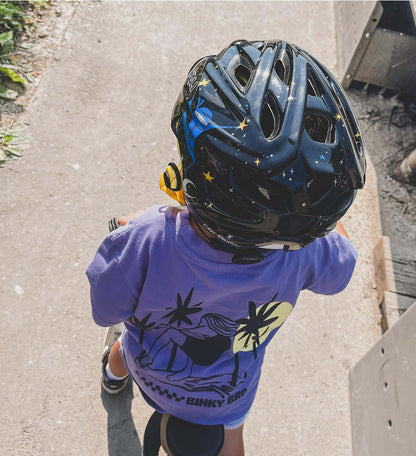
pixel 395 267
pixel 389 61
pixel 413 8
pixel 395 278
pixel 393 306
pixel 383 396
pixel 384 276
pixel 355 22
pixel 403 264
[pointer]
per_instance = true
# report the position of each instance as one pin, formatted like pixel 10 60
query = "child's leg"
pixel 233 442
pixel 115 361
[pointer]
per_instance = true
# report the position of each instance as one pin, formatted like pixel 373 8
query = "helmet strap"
pixel 170 182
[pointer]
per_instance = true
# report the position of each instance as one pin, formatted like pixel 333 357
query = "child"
pixel 271 159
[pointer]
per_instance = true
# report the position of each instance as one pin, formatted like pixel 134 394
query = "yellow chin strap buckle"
pixel 171 182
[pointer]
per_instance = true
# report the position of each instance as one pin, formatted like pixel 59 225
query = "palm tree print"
pixel 179 315
pixel 255 322
pixel 142 325
pixel 250 328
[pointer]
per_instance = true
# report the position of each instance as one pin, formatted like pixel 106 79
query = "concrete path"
pixel 100 120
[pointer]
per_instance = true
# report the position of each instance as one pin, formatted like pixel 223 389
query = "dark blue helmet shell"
pixel 271 151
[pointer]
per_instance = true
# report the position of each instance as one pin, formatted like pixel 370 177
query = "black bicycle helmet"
pixel 271 152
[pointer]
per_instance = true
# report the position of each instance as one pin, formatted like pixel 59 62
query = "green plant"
pixel 6 41
pixel 13 22
pixel 39 4
pixel 12 142
pixel 12 17
pixel 9 71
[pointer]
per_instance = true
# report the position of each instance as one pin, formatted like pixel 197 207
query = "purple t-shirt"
pixel 197 325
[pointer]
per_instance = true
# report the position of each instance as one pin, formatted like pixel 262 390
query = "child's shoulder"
pixel 155 215
pixel 336 241
pixel 331 261
pixel 151 222
pixel 330 249
pixel 332 244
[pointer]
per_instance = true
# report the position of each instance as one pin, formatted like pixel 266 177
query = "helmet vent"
pixel 270 121
pixel 242 74
pixel 314 88
pixel 259 45
pixel 319 128
pixel 240 71
pixel 283 67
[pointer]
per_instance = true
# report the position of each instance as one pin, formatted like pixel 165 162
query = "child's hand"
pixel 126 218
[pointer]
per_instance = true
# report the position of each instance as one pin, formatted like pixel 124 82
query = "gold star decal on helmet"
pixel 357 135
pixel 242 125
pixel 208 176
pixel 204 82
pixel 337 117
pixel 257 161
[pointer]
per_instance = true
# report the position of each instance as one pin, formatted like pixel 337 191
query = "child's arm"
pixel 341 230
pixel 115 274
pixel 332 263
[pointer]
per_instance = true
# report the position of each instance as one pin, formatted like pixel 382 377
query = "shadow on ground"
pixel 123 439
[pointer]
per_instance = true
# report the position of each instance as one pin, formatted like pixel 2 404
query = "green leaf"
pixel 6 42
pixel 26 45
pixel 12 143
pixel 7 139
pixel 13 151
pixel 8 93
pixel 12 74
pixel 5 37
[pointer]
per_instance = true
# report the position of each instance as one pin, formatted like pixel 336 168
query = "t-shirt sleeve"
pixel 332 262
pixel 116 276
